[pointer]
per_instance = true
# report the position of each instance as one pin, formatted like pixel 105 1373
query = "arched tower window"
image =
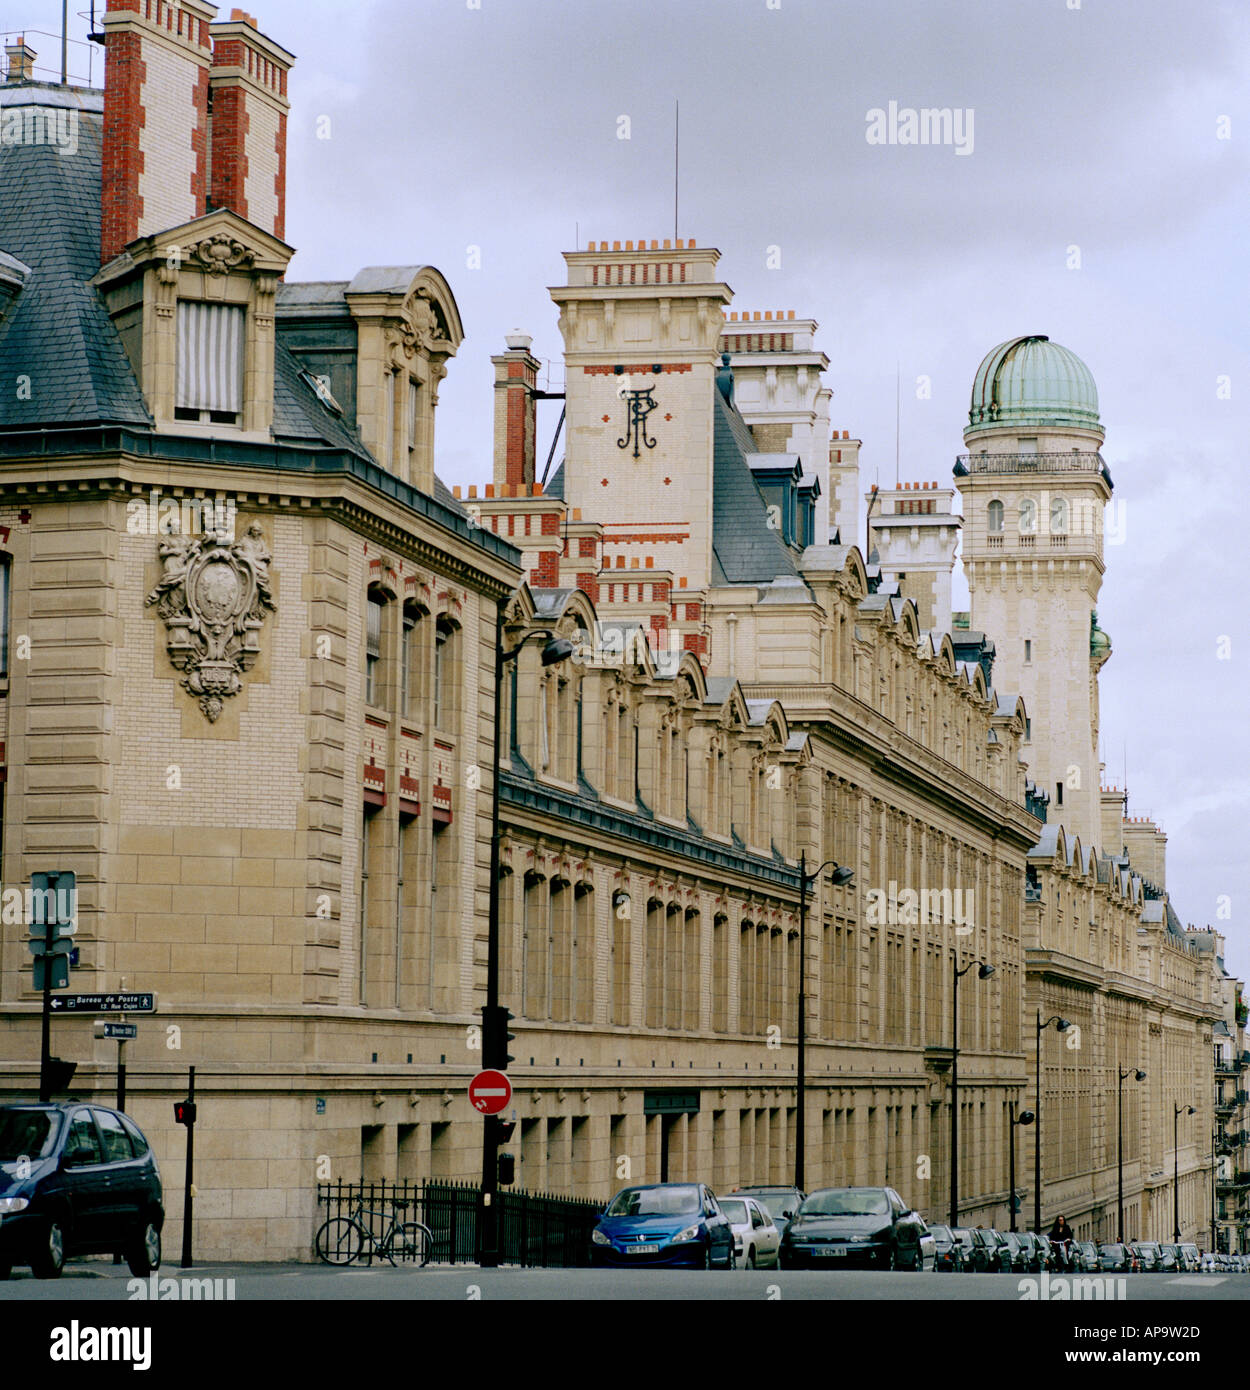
pixel 1059 515
pixel 1028 516
pixel 994 517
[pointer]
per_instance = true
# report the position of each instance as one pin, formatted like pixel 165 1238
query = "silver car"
pixel 757 1242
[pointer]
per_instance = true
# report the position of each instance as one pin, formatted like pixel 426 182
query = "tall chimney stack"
pixel 250 107
pixel 155 156
pixel 516 381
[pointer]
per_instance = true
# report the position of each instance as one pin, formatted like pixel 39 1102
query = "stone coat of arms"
pixel 212 596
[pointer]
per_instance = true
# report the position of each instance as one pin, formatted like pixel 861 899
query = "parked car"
pixel 1019 1251
pixel 76 1179
pixel 1192 1258
pixel 664 1224
pixel 990 1254
pixel 1209 1263
pixel 1084 1257
pixel 867 1226
pixel 756 1238
pixel 1114 1258
pixel 1170 1259
pixel 779 1202
pixel 950 1255
pixel 1147 1255
pixel 1035 1258
pixel 964 1236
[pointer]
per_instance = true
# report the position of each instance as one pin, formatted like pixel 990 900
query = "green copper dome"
pixel 1033 383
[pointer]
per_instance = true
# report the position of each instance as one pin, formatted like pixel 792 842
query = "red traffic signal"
pixel 184 1112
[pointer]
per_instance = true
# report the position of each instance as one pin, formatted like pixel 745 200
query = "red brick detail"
pixel 199 143
pixel 696 642
pixel 647 537
pixel 694 612
pixel 230 126
pixel 279 179
pixel 515 452
pixel 586 547
pixel 639 368
pixel 551 524
pixel 122 161
pixel 547 572
pixel 589 585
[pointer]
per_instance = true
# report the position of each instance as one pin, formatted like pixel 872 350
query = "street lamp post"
pixel 1061 1026
pixel 1138 1075
pixel 1177 1111
pixel 494 1037
pixel 983 973
pixel 840 876
pixel 1026 1117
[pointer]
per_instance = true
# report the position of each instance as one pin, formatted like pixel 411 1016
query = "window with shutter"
pixel 209 385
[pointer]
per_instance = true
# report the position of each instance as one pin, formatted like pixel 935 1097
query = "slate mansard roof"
pixel 57 333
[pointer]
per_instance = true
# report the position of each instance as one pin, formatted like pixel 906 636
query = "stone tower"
pixel 642 327
pixel 915 532
pixel 1034 487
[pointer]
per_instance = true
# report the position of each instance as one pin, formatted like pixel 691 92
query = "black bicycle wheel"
pixel 340 1241
pixel 411 1243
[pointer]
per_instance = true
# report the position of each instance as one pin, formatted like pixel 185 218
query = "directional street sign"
pixel 104 1003
pixel 490 1092
pixel 61 946
pixel 60 975
pixel 122 1031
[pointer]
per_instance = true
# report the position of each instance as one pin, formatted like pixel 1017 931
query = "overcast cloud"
pixel 1095 127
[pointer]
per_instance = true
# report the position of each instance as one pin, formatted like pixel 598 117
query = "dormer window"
pixel 209 383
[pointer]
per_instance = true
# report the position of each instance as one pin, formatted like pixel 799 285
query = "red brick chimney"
pixel 516 381
pixel 249 103
pixel 155 155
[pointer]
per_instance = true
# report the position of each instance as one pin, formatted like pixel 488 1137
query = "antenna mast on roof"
pixel 676 159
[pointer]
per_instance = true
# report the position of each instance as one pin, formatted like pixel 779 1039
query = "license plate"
pixel 644 1249
pixel 829 1250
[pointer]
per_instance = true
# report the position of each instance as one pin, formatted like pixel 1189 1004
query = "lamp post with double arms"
pixel 494 1024
pixel 1061 1026
pixel 1138 1075
pixel 840 876
pixel 1177 1112
pixel 1026 1117
pixel 983 973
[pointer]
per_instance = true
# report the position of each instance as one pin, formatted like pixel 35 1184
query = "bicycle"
pixel 342 1239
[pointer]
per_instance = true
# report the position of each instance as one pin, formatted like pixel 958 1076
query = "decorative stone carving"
pixel 219 254
pixel 212 597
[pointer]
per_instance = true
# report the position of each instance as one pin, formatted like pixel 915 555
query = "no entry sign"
pixel 490 1092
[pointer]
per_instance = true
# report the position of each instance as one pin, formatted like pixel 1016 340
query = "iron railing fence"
pixel 538 1230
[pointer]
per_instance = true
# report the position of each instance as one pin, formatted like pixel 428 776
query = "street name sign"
pixel 104 1003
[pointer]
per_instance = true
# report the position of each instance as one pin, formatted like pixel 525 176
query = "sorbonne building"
pixel 261 734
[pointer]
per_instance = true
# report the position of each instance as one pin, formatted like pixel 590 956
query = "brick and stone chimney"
pixel 248 129
pixel 516 382
pixel 155 156
pixel 21 61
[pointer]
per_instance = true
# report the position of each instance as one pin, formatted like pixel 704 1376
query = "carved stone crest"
pixel 220 253
pixel 212 597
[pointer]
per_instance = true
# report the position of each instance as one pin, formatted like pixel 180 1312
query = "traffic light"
pixel 52 911
pixel 60 1073
pixel 184 1112
pixel 495 1037
pixel 507 1170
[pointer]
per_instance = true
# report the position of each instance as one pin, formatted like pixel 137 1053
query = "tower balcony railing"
pixel 1030 463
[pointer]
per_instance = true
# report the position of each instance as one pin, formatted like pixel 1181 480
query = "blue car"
pixel 664 1225
pixel 76 1179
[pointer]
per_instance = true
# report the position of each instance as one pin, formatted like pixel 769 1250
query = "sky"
pixel 1102 201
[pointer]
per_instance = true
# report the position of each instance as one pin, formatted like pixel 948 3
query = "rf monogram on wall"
pixel 639 406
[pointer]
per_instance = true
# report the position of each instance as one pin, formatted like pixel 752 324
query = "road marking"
pixel 1196 1279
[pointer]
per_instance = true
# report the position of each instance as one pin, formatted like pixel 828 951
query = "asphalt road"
pixel 99 1281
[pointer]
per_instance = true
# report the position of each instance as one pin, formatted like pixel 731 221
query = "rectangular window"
pixel 406 659
pixel 440 674
pixel 5 577
pixel 1028 649
pixel 1058 793
pixel 373 650
pixel 209 384
pixel 412 415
